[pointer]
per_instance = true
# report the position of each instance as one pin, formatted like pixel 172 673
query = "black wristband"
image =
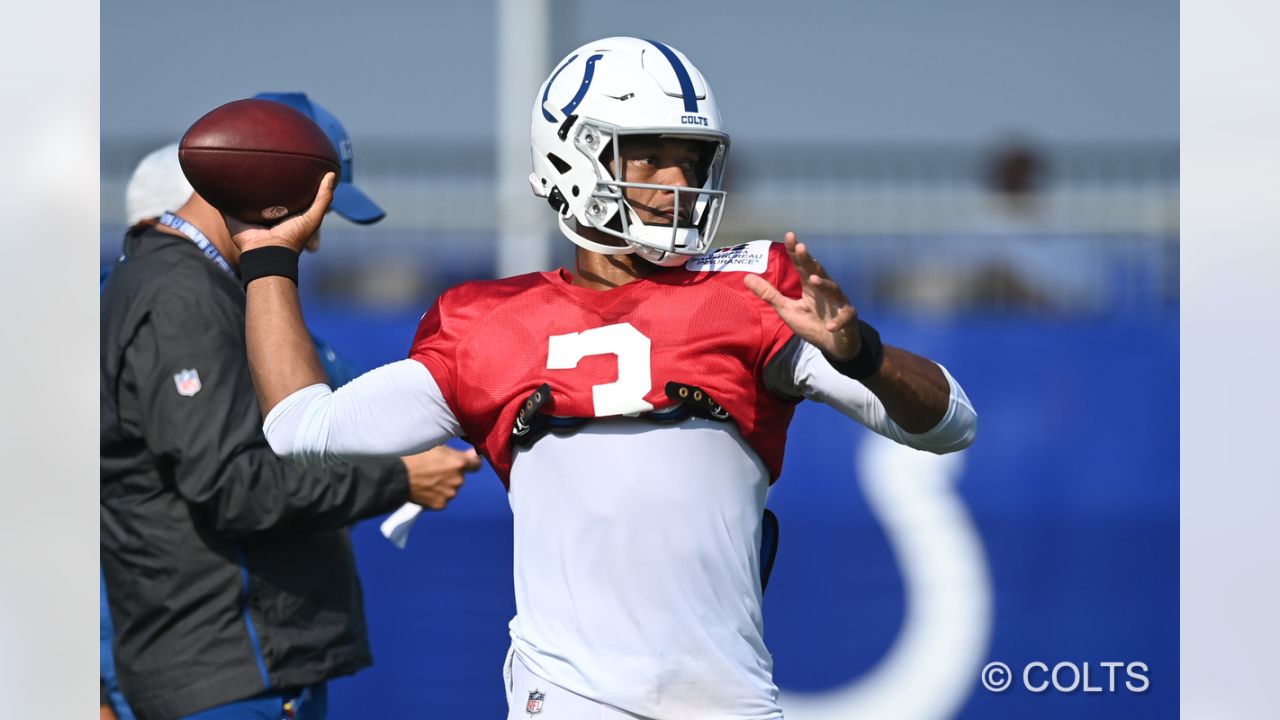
pixel 268 261
pixel 868 360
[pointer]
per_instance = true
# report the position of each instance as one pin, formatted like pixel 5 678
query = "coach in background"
pixel 156 185
pixel 229 573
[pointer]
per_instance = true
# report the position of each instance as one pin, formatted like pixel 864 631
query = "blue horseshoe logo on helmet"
pixel 582 88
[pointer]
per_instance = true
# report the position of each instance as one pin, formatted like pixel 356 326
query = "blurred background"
pixel 995 183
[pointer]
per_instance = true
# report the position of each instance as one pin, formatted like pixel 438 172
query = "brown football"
pixel 257 161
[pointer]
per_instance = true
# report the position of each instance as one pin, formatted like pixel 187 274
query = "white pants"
pixel 530 697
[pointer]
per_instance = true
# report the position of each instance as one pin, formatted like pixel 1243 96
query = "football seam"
pixel 269 152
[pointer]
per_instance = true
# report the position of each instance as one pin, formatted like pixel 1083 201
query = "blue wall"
pixel 1072 486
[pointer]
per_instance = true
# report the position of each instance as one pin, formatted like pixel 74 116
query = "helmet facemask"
pixel 696 208
pixel 616 89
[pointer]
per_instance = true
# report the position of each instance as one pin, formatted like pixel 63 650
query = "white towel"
pixel 398 524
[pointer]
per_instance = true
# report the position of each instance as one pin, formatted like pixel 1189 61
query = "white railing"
pixel 913 226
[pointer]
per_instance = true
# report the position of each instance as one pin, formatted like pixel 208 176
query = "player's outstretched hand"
pixel 293 233
pixel 822 315
pixel 436 475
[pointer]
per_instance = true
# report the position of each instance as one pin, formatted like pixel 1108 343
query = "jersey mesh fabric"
pixel 486 343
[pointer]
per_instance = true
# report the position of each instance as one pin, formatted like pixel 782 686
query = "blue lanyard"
pixel 193 233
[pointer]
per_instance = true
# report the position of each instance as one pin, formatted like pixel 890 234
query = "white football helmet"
pixel 606 90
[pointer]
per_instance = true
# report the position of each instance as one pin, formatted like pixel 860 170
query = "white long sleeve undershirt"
pixel 594 610
pixel 800 370
pixel 398 409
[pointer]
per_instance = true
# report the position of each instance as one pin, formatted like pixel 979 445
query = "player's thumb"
pixel 763 289
pixel 311 219
pixel 324 196
pixel 298 230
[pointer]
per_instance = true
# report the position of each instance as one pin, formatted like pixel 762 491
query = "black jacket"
pixel 228 569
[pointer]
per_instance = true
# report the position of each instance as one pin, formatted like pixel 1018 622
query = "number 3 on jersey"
pixel 625 396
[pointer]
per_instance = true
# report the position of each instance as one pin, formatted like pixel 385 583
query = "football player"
pixel 636 406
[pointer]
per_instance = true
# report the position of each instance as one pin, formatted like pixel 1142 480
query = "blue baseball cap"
pixel 349 201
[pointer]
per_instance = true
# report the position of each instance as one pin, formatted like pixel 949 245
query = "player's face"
pixel 660 161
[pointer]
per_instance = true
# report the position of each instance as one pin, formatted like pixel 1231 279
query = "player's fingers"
pixel 806 262
pixel 811 260
pixel 829 287
pixel 246 236
pixel 471 460
pixel 297 231
pixel 764 290
pixel 823 288
pixel 843 318
pixel 790 241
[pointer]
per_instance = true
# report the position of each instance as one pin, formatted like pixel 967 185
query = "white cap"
pixel 157 185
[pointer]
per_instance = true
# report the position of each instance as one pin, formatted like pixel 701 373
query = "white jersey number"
pixel 625 396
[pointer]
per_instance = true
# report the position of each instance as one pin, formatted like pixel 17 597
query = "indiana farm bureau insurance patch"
pixel 748 257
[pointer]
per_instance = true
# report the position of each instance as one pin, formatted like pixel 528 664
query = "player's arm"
pixel 801 370
pixel 282 356
pixel 397 409
pixel 916 394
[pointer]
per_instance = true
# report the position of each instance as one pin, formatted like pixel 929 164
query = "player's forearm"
pixel 282 357
pixel 800 369
pixel 912 389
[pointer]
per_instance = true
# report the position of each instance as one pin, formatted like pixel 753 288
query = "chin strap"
pixel 663 258
pixel 591 245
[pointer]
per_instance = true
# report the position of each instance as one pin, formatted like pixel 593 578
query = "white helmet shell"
pixel 608 89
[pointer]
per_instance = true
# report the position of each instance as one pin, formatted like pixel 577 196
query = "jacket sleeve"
pixel 198 414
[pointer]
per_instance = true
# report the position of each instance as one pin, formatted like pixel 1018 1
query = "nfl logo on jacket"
pixel 188 382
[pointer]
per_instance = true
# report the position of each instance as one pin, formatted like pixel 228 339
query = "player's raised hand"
pixel 822 315
pixel 436 475
pixel 293 233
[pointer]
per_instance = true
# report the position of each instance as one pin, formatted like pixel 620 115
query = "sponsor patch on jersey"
pixel 747 257
pixel 188 382
pixel 534 705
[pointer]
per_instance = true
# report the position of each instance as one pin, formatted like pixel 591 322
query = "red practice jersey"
pixel 491 344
